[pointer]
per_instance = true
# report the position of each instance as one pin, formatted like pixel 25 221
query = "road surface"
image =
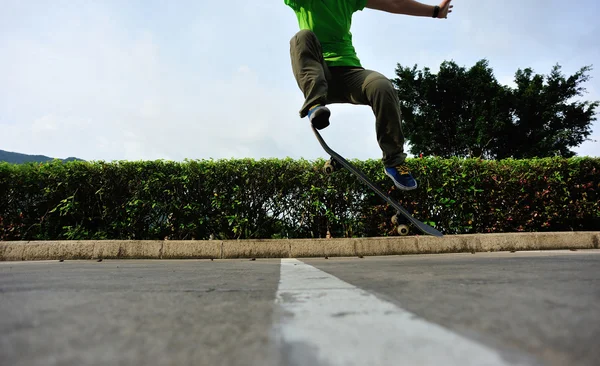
pixel 524 308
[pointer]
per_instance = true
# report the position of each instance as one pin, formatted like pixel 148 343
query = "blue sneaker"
pixel 318 115
pixel 401 177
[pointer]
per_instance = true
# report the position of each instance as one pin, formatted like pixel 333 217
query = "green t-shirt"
pixel 330 20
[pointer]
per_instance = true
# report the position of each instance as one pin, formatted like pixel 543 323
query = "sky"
pixel 148 79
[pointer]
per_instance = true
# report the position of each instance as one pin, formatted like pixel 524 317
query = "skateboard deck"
pixel 424 228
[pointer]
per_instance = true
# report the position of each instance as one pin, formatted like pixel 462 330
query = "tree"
pixel 546 120
pixel 467 113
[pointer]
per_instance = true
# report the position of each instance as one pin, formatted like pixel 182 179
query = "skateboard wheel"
pixel 403 230
pixel 328 168
pixel 331 166
pixel 395 219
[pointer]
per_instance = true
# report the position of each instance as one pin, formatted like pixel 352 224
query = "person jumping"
pixel 328 71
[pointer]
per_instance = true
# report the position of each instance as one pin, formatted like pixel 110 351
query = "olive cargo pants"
pixel 355 85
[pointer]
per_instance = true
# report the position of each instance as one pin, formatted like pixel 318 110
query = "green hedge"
pixel 290 198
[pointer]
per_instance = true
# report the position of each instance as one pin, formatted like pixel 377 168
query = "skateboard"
pixel 337 161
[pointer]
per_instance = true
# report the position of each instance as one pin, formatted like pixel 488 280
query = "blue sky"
pixel 111 80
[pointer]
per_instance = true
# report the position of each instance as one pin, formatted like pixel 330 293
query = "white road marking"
pixel 15 263
pixel 327 321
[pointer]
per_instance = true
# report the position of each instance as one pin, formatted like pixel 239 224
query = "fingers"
pixel 446 8
pixel 446 5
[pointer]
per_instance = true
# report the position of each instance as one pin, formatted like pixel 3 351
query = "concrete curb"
pixel 294 248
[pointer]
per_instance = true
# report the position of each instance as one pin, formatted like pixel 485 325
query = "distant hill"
pixel 17 158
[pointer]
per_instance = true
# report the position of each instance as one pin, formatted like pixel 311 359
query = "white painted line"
pixel 20 262
pixel 327 321
pixel 558 251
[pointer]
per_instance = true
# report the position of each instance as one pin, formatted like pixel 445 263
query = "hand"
pixel 445 8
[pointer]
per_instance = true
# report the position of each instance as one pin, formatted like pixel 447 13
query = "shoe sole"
pixel 320 119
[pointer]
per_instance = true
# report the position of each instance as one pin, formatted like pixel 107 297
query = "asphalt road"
pixel 505 308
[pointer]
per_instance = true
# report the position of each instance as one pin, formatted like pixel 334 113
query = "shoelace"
pixel 403 169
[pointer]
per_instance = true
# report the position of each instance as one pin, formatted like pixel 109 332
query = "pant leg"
pixel 367 87
pixel 309 69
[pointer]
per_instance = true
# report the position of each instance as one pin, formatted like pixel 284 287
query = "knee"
pixel 379 82
pixel 379 87
pixel 305 35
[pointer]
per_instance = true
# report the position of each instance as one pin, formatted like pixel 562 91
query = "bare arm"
pixel 410 7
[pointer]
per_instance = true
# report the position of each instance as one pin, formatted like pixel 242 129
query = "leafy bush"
pixel 285 198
